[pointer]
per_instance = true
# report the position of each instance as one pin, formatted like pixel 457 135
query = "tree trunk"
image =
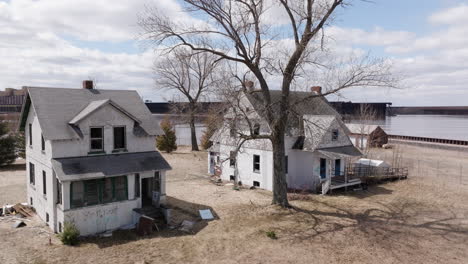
pixel 193 133
pixel 280 187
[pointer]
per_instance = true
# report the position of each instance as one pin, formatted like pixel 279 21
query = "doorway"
pixel 323 168
pixel 337 167
pixel 146 192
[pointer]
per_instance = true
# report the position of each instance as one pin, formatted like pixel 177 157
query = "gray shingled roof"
pixel 56 107
pixel 301 103
pixel 89 167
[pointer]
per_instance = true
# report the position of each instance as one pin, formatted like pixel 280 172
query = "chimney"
pixel 316 89
pixel 88 84
pixel 249 85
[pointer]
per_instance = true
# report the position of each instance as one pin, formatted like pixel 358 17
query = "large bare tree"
pixel 191 74
pixel 282 38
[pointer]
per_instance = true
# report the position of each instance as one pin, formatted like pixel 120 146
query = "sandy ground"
pixel 408 221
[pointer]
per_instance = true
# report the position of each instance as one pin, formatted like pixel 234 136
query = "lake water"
pixel 434 126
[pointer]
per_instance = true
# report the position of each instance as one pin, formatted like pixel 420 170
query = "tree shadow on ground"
pixel 373 190
pixel 393 225
pixel 180 210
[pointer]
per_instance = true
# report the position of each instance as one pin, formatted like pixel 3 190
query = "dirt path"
pixel 399 222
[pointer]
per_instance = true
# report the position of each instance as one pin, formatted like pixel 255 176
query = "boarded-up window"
pixel 32 177
pixel 119 138
pixel 97 139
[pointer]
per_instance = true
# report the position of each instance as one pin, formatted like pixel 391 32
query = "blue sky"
pixel 61 42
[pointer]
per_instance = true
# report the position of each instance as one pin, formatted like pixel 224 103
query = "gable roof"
pixel 301 103
pixel 56 107
pixel 95 105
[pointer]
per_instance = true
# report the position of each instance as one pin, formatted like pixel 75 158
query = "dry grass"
pixel 399 222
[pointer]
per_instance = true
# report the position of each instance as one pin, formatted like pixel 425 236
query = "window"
pixel 232 158
pixel 323 168
pixel 59 191
pixel 47 217
pixel 30 201
pixel 256 183
pixel 335 134
pixel 42 143
pixel 137 185
pixel 286 164
pixel 30 135
pixel 121 188
pixel 100 191
pixel 256 163
pixel 60 227
pixel 232 178
pixel 119 138
pixel 256 129
pixel 157 181
pixel 96 139
pixel 32 176
pixel 44 182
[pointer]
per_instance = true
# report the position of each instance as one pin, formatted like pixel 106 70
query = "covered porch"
pixel 336 177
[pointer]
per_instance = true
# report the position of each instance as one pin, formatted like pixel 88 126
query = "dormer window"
pixel 97 139
pixel 335 134
pixel 256 129
pixel 119 138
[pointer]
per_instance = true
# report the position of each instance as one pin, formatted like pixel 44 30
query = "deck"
pixel 359 175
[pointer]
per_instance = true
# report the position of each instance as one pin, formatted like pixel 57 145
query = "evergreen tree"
pixel 7 146
pixel 20 143
pixel 167 141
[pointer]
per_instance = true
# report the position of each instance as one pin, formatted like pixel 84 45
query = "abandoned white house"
pixel 91 157
pixel 317 143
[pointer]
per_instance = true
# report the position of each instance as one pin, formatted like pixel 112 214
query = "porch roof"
pixel 90 167
pixel 339 152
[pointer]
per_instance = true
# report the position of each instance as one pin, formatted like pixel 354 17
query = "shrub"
pixel 167 141
pixel 212 124
pixel 70 234
pixel 271 234
pixel 7 146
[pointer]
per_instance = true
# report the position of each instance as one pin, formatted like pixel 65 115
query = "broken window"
pixel 119 138
pixel 32 177
pixel 44 182
pixel 256 129
pixel 232 158
pixel 335 134
pixel 96 139
pixel 256 163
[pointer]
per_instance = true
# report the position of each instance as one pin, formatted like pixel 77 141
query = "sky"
pixel 59 43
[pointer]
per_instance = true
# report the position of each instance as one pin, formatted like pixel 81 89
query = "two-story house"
pixel 91 157
pixel 317 144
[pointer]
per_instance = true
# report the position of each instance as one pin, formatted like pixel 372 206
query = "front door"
pixel 337 167
pixel 323 168
pixel 146 191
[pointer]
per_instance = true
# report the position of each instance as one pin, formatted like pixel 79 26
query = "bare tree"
pixel 191 74
pixel 365 116
pixel 243 32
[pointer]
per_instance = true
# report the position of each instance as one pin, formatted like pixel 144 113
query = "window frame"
pixel 91 139
pixel 124 137
pixel 101 183
pixel 42 143
pixel 30 135
pixel 44 183
pixel 137 185
pixel 256 163
pixel 32 174
pixel 59 191
pixel 335 135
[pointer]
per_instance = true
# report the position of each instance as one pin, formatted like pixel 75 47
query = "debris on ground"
pixel 18 210
pixel 145 225
pixel 187 226
pixel 252 188
pixel 19 224
pixel 206 214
